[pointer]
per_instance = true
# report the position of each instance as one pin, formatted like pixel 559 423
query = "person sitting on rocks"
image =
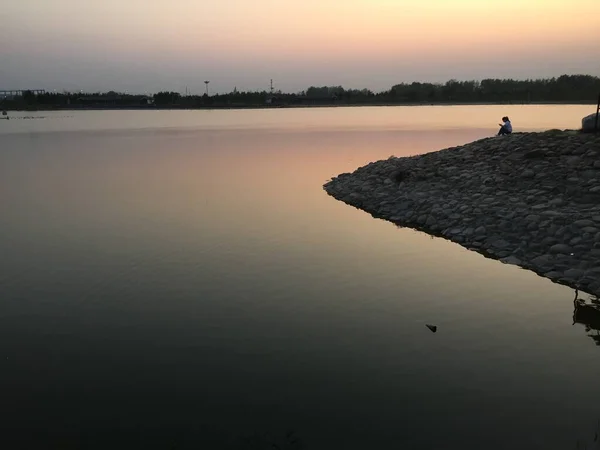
pixel 506 127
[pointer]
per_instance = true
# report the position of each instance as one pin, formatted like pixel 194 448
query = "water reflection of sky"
pixel 460 117
pixel 204 279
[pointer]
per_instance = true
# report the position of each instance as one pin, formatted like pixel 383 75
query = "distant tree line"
pixel 564 89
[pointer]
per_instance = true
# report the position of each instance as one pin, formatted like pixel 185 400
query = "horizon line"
pixel 270 89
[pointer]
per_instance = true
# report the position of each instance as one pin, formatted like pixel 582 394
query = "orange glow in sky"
pixel 144 44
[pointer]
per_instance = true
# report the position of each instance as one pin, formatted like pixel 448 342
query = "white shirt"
pixel 508 126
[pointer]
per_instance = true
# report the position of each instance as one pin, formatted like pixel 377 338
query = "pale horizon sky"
pixel 152 45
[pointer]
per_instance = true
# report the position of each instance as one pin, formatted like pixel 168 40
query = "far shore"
pixel 237 107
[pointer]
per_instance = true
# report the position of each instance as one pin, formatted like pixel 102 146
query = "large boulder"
pixel 588 122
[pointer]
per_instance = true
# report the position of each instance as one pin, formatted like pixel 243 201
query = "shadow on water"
pixel 588 315
pixel 582 445
pixel 259 441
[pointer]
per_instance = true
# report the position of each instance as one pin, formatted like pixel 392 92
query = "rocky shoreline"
pixel 529 199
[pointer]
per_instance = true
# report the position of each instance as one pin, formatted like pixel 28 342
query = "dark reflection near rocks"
pixel 588 314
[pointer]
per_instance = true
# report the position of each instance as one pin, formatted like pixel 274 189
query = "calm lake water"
pixel 179 279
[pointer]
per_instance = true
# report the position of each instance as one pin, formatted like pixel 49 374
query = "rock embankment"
pixel 530 199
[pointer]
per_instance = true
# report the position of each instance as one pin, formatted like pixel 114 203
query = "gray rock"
pixel 560 248
pixel 535 154
pixel 553 274
pixel 576 240
pixel 548 241
pixel 500 244
pixel 560 232
pixel 574 273
pixel 543 260
pixel 556 202
pixel 588 123
pixel 405 205
pixel 528 173
pixel 551 213
pixel 511 260
pixel 583 223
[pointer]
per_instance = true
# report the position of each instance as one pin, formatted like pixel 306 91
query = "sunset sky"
pixel 150 45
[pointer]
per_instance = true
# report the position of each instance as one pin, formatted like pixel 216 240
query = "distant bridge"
pixel 20 92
